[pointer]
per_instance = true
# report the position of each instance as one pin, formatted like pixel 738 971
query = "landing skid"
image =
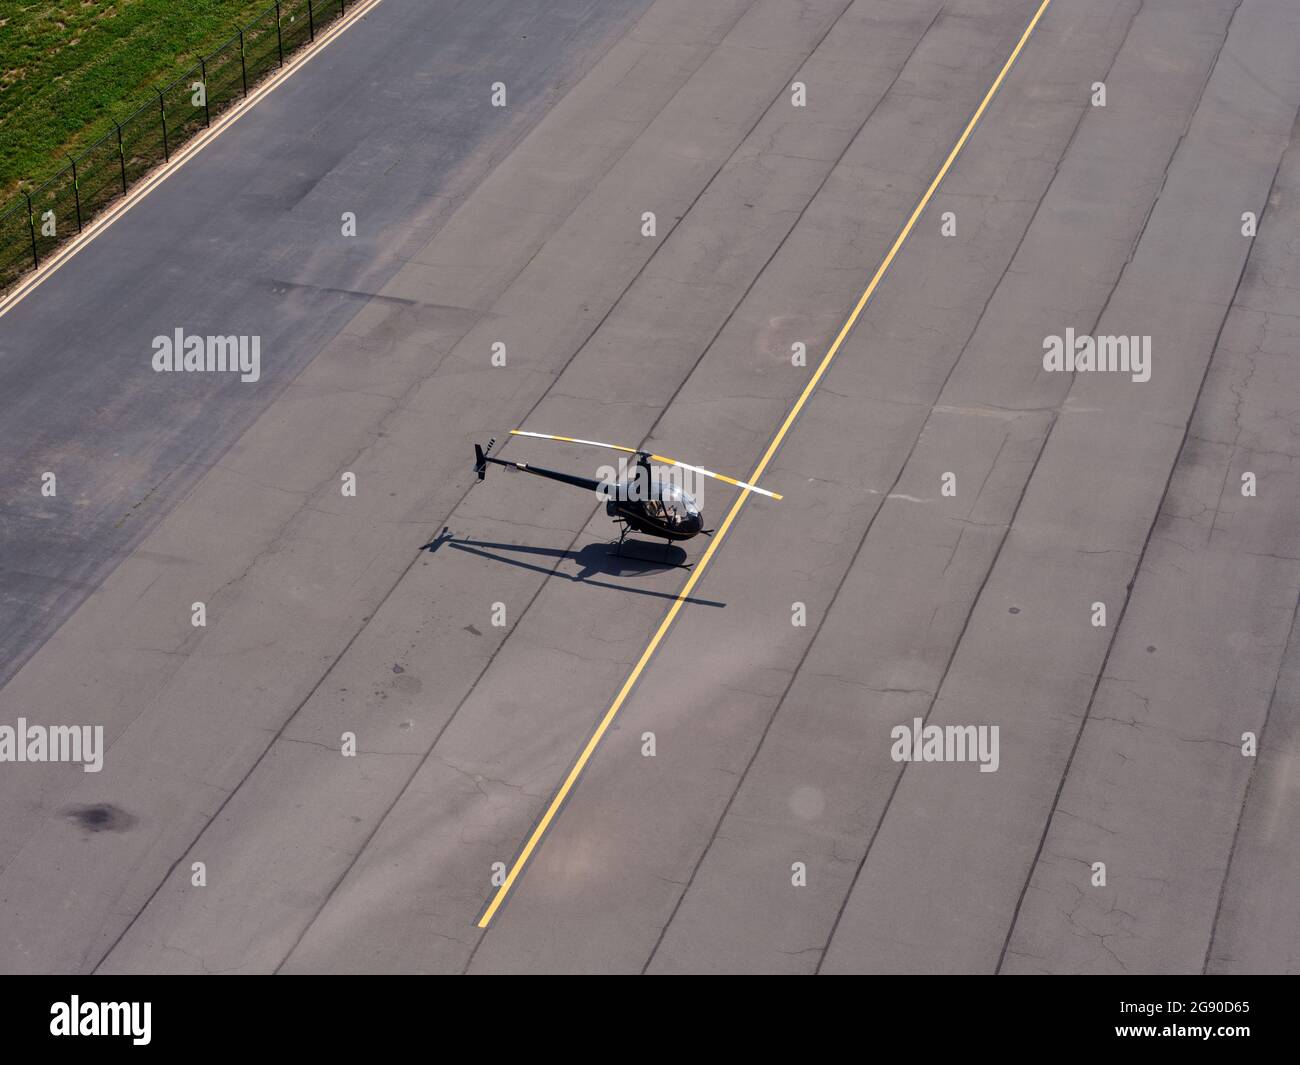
pixel 622 538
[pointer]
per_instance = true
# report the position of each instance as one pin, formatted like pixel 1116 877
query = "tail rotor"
pixel 480 458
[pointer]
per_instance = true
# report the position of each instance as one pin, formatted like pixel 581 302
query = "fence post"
pixel 76 191
pixel 243 69
pixel 311 21
pixel 279 40
pixel 207 109
pixel 31 228
pixel 162 113
pixel 121 154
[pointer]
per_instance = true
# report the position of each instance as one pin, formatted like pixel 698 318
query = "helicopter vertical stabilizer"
pixel 480 459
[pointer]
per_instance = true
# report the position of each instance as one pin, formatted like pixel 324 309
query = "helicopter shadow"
pixel 593 560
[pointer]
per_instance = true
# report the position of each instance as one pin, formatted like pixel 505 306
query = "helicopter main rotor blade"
pixel 664 459
pixel 718 476
pixel 574 440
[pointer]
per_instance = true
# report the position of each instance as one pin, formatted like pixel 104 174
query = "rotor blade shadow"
pixel 594 558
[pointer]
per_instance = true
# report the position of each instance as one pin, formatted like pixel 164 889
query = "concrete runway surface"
pixel 952 515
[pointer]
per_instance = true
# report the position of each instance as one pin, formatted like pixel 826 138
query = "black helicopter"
pixel 641 502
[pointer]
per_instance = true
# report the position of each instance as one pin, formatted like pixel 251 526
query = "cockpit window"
pixel 668 503
pixel 676 504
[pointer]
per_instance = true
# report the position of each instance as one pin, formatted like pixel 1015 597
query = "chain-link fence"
pixel 40 219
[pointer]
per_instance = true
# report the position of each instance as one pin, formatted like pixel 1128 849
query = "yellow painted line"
pixel 700 567
pixel 192 148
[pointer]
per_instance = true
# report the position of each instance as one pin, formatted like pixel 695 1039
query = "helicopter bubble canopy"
pixel 645 484
pixel 677 504
pixel 675 500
